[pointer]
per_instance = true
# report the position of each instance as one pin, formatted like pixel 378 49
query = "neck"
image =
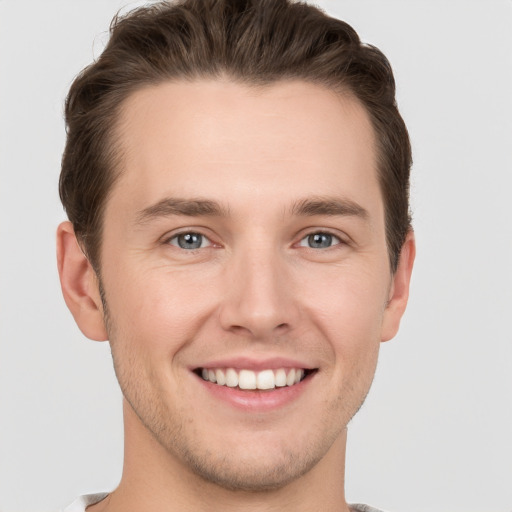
pixel 154 480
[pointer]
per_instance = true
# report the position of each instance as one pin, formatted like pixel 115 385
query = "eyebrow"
pixel 176 206
pixel 308 207
pixel 330 206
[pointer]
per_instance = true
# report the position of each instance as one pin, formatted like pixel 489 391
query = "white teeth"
pixel 248 379
pixel 266 380
pixel 231 378
pixel 280 378
pixel 220 377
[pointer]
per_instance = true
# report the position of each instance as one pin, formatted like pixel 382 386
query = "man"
pixel 236 178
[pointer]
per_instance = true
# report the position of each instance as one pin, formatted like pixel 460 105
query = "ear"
pixel 79 284
pixel 399 291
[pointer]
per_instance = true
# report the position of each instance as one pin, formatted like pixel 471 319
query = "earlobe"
pixel 399 293
pixel 79 284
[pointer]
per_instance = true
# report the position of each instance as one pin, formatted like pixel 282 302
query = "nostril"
pixel 239 329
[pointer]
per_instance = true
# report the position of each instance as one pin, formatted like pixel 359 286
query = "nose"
pixel 258 301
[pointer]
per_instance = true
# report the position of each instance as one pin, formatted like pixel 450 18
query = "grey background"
pixel 435 433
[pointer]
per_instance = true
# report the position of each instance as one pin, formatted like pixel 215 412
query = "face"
pixel 245 274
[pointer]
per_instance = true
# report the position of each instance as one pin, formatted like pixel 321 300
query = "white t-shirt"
pixel 80 504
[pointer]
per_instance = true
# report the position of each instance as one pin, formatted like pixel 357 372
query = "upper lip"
pixel 255 364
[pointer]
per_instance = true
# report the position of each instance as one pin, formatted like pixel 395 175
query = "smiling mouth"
pixel 251 380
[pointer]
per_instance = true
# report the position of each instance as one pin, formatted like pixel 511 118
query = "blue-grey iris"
pixel 190 240
pixel 320 240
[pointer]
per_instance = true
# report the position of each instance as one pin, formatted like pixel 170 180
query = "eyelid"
pixel 335 238
pixel 168 237
pixel 341 238
pixel 203 240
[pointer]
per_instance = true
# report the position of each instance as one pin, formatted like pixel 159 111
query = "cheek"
pixel 157 308
pixel 350 299
pixel 348 312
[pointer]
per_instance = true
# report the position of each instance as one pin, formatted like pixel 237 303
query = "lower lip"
pixel 257 400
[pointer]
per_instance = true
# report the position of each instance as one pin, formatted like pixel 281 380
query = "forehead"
pixel 229 141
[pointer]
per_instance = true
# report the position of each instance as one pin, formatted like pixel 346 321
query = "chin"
pixel 265 460
pixel 251 474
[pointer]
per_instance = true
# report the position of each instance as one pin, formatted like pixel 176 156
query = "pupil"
pixel 320 240
pixel 190 241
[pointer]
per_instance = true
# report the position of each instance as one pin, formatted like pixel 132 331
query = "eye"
pixel 319 241
pixel 190 241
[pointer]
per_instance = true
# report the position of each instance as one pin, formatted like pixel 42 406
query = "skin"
pixel 255 289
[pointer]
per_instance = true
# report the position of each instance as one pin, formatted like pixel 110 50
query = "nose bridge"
pixel 259 300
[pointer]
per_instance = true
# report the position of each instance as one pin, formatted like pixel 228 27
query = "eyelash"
pixel 189 233
pixel 303 242
pixel 332 238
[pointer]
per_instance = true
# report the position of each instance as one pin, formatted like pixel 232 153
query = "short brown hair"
pixel 250 41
